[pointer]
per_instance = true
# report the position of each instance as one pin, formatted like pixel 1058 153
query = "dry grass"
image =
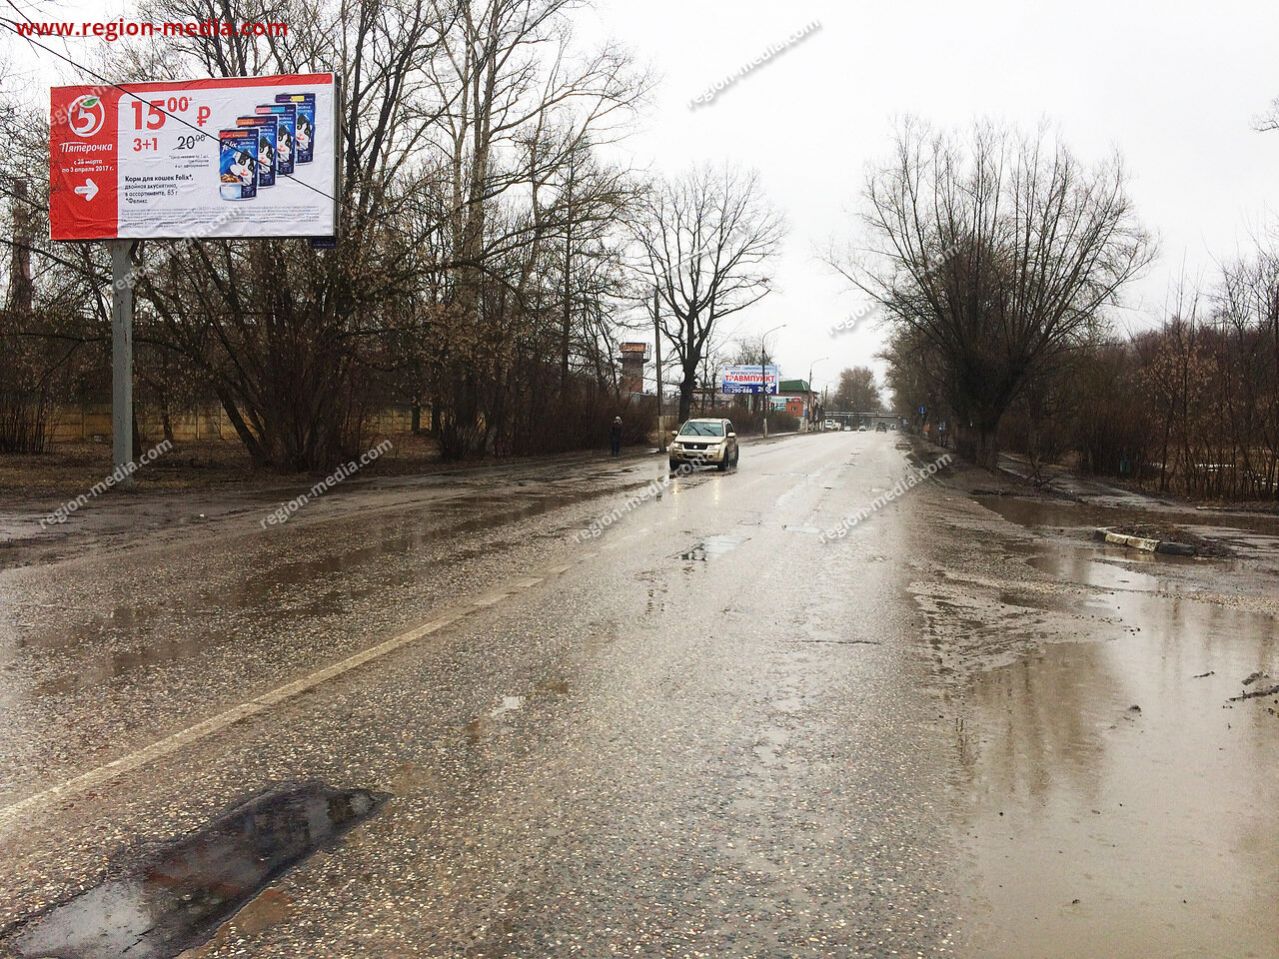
pixel 71 468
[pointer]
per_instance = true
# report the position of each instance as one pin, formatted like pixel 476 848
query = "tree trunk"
pixel 685 397
pixel 256 453
pixel 978 443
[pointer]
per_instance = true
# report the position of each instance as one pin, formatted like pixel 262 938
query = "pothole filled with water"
pixel 179 896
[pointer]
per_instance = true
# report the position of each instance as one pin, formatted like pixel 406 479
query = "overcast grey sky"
pixel 1172 85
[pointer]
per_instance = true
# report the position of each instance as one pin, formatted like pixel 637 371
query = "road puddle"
pixel 1076 566
pixel 712 547
pixel 1255 532
pixel 179 897
pixel 1115 803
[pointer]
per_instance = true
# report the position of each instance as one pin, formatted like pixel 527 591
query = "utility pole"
pixel 809 400
pixel 122 358
pixel 657 355
pixel 763 383
pixel 763 373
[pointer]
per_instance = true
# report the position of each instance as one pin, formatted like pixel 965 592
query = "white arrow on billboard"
pixel 89 190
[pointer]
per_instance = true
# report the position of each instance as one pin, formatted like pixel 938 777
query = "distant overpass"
pixel 868 419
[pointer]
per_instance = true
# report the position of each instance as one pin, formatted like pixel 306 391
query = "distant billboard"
pixel 219 157
pixel 750 379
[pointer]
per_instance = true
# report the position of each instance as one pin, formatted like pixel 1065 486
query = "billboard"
pixel 223 157
pixel 747 379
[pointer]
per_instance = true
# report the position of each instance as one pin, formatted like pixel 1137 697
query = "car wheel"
pixel 674 466
pixel 722 465
pixel 737 455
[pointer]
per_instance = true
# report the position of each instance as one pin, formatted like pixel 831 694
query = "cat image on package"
pixel 305 103
pixel 287 114
pixel 238 164
pixel 268 130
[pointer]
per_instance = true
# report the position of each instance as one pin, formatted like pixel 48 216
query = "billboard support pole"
pixel 121 360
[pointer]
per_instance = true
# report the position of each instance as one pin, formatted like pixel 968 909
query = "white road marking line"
pixel 215 724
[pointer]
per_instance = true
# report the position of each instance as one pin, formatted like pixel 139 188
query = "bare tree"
pixel 1268 121
pixel 1001 254
pixel 705 242
pixel 526 107
pixel 858 392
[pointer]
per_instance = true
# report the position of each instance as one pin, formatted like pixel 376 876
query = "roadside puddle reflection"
pixel 1115 802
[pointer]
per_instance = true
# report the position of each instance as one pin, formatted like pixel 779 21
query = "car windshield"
pixel 694 428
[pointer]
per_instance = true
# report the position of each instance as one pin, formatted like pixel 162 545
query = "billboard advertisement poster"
pixel 173 159
pixel 748 379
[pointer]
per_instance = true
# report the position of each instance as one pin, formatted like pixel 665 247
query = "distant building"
pixel 797 398
pixel 634 357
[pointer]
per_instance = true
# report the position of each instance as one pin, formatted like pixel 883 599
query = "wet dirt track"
pixel 701 733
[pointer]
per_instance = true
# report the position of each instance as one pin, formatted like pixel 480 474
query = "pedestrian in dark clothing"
pixel 615 436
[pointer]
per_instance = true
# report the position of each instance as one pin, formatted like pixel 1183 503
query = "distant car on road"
pixel 881 427
pixel 705 441
pixel 862 428
pixel 847 428
pixel 830 425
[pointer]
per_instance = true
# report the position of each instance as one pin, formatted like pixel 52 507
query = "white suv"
pixel 702 442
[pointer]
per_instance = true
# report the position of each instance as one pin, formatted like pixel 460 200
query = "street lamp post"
pixel 657 349
pixel 763 372
pixel 809 404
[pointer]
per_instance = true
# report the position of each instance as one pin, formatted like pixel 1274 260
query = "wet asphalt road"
pixel 703 733
pixel 641 754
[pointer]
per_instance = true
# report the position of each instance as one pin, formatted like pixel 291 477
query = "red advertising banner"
pixel 223 157
pixel 83 167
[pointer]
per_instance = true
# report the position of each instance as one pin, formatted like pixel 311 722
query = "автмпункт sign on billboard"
pixel 747 379
pixel 223 157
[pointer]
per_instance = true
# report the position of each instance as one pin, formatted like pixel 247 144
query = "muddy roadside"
pixel 1074 507
pixel 1024 563
pixel 1116 719
pixel 174 498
